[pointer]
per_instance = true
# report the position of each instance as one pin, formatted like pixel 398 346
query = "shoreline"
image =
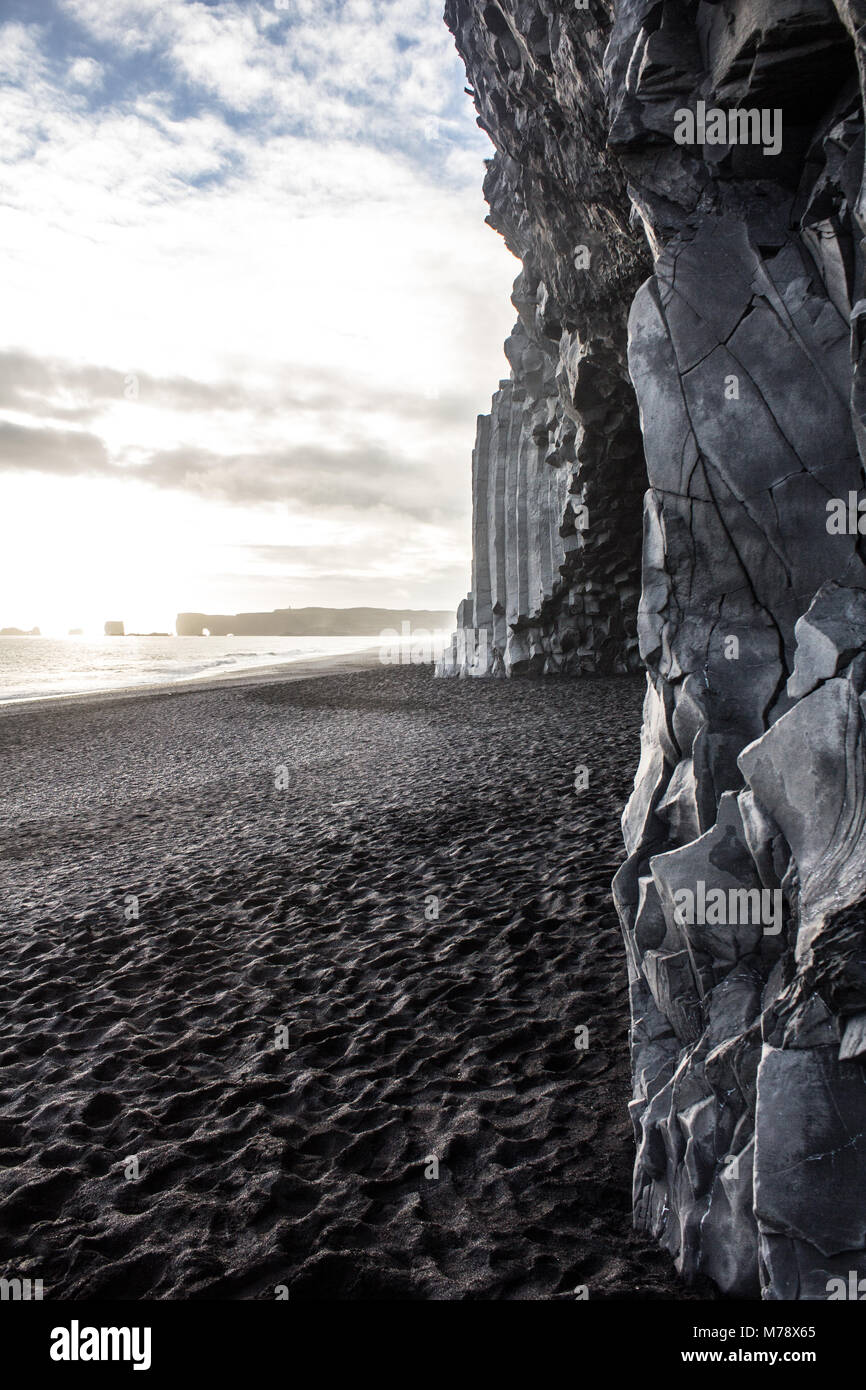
pixel 307 668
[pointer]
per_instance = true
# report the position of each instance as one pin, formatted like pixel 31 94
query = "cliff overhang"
pixel 690 328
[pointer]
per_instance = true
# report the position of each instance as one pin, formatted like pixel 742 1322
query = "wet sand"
pixel 274 954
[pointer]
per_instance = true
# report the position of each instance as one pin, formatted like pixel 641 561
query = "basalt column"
pixel 732 134
pixel 745 832
pixel 569 462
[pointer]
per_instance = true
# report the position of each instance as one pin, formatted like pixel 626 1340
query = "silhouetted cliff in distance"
pixel 311 622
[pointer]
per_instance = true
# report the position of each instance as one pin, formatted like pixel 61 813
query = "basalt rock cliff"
pixel 558 473
pixel 712 291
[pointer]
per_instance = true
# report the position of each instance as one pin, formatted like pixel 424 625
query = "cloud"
pixel 86 72
pixel 317 477
pixel 49 387
pixel 342 463
pixel 371 71
pixel 247 266
pixel 68 452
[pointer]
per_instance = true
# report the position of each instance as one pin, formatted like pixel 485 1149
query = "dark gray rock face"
pixel 557 498
pixel 558 474
pixel 743 894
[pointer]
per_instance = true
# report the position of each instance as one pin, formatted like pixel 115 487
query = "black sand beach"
pixel 309 908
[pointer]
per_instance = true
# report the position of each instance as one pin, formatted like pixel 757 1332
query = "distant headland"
pixel 311 622
pixel 19 632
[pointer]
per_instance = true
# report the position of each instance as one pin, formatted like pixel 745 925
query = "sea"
pixel 39 668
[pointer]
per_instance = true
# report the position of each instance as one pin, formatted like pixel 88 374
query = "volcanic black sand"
pixel 155 1040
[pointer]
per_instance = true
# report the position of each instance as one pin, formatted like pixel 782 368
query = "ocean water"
pixel 37 668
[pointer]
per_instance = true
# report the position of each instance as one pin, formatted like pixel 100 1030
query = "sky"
pixel 250 308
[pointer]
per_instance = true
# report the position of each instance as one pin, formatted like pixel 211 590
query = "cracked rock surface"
pixel 743 895
pixel 558 473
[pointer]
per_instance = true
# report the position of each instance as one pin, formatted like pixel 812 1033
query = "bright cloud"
pixel 247 282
